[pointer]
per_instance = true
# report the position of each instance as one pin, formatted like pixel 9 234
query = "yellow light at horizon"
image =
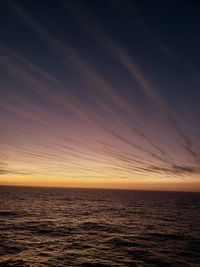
pixel 191 185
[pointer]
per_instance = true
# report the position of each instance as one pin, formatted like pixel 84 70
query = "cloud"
pixel 69 53
pixel 7 172
pixel 175 170
pixel 55 132
pixel 91 26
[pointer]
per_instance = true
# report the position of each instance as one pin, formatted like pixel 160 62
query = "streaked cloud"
pixel 50 128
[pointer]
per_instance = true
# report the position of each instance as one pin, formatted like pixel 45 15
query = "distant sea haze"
pixel 96 227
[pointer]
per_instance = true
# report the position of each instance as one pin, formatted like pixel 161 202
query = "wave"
pixel 120 242
pixel 4 213
pixel 13 263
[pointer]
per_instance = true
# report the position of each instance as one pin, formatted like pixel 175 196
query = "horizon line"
pixel 101 188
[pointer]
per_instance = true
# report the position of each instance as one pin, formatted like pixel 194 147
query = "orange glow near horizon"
pixel 136 184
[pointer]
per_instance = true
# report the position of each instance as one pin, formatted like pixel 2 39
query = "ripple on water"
pixel 13 263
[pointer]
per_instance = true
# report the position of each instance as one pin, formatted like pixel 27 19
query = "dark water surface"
pixel 90 227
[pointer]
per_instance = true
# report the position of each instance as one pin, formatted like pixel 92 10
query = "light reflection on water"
pixel 91 227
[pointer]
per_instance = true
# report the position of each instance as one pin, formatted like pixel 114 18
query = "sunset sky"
pixel 100 94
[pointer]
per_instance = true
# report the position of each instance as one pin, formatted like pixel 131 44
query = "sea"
pixel 98 227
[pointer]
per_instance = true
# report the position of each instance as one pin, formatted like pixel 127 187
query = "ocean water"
pixel 93 227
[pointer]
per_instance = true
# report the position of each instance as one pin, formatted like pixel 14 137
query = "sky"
pixel 100 94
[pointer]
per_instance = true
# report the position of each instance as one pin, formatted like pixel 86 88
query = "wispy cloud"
pixel 129 63
pixel 55 132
